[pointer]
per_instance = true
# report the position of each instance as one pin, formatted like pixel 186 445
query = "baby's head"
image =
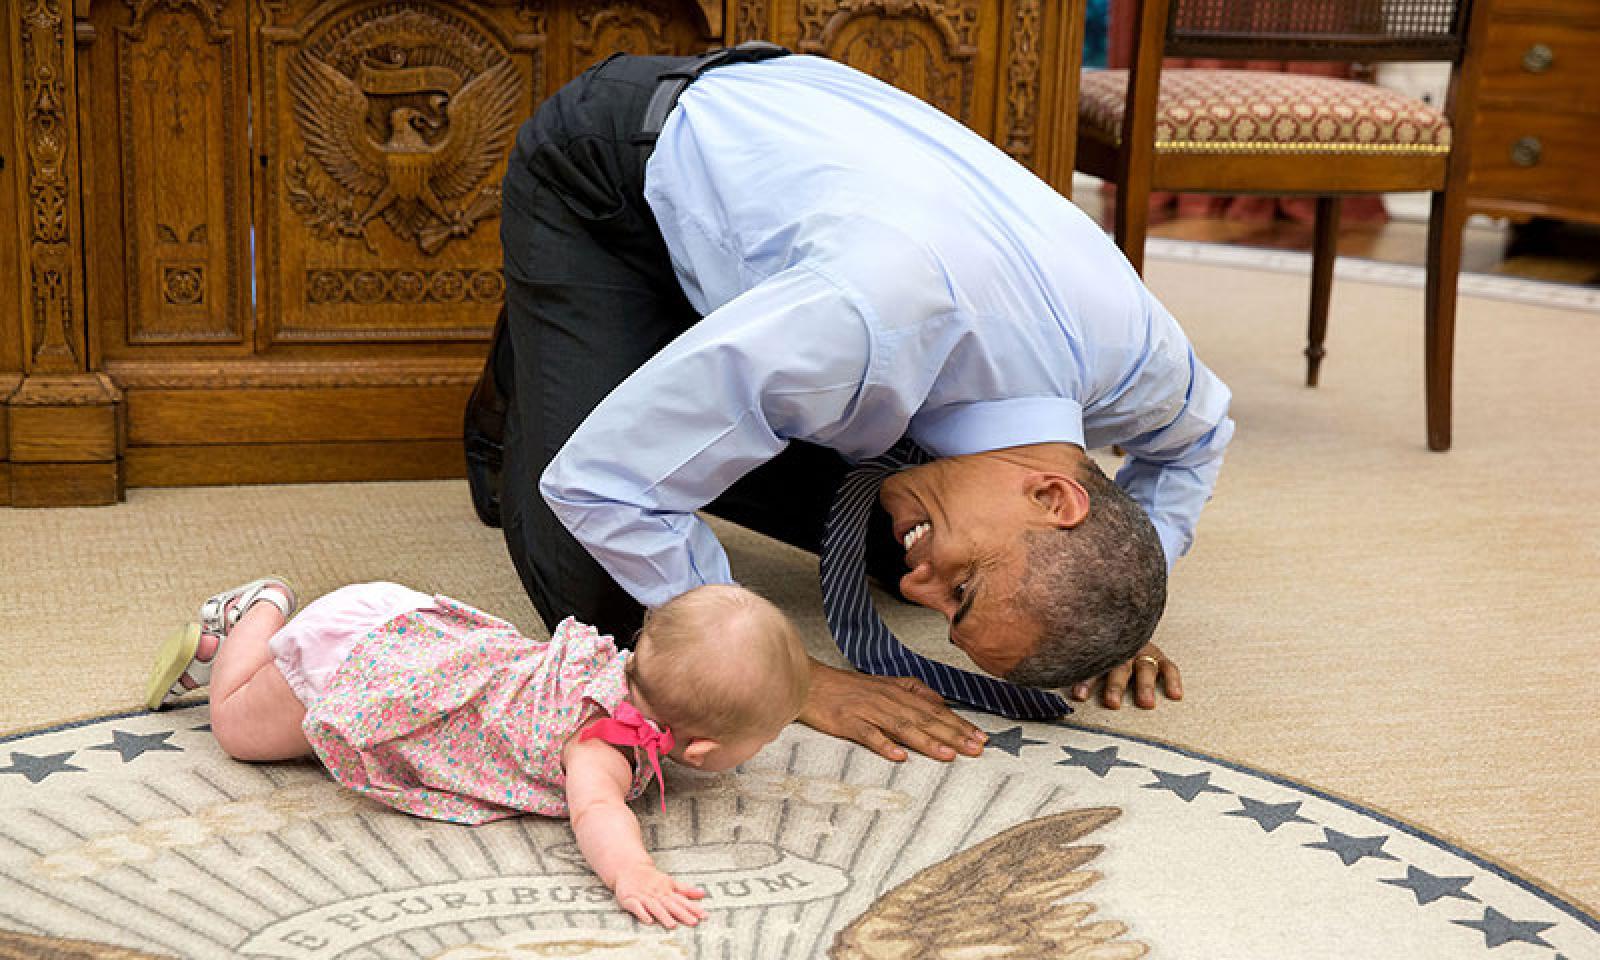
pixel 722 668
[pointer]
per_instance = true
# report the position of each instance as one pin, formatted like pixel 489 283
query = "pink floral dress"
pixel 450 713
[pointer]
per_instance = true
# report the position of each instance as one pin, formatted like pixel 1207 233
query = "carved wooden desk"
pixel 257 240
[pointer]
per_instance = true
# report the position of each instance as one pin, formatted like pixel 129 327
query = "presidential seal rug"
pixel 133 836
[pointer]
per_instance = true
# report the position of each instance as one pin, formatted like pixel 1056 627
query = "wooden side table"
pixel 1538 118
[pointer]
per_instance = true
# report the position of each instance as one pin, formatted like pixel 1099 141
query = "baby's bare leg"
pixel 254 714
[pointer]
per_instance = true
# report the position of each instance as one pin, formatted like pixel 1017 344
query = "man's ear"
pixel 1062 499
pixel 694 754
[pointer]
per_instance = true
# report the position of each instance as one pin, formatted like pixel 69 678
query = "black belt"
pixel 672 84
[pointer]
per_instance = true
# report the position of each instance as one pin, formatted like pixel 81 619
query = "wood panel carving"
pixel 185 204
pixel 928 47
pixel 533 16
pixel 1022 82
pixel 751 22
pixel 387 129
pixel 606 27
pixel 51 313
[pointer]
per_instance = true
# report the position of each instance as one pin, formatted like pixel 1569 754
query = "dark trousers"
pixel 591 296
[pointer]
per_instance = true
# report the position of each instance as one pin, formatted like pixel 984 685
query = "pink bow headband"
pixel 627 727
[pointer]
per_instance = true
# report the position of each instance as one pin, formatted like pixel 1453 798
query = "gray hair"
pixel 1096 590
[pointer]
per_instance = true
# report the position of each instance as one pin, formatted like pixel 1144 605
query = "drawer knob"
pixel 1526 151
pixel 1538 58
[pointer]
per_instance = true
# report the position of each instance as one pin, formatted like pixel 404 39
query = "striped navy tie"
pixel 862 635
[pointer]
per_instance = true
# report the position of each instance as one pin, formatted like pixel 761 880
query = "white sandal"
pixel 175 660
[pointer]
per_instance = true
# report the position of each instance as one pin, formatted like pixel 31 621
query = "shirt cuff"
pixel 957 429
pixel 1173 543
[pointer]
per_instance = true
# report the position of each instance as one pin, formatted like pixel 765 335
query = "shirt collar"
pixel 964 428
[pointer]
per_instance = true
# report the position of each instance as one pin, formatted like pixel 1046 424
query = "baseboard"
pixel 294 422
pixel 236 463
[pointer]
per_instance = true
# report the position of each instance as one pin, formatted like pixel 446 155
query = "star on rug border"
pixel 1012 741
pixel 133 745
pixel 1188 786
pixel 1268 816
pixel 1099 762
pixel 1427 887
pixel 1352 849
pixel 1498 929
pixel 38 766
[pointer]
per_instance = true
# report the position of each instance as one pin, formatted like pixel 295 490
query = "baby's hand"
pixel 654 897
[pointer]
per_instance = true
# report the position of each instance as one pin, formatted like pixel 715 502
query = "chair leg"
pixel 1445 221
pixel 1131 217
pixel 1324 251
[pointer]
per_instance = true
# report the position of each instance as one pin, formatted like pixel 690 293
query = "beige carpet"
pixel 1412 631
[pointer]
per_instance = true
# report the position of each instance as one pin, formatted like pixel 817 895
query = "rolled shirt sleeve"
pixel 1172 470
pixel 725 397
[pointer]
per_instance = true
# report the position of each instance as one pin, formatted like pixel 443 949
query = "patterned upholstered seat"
pixel 1243 111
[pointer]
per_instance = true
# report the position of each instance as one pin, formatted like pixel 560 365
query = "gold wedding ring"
pixel 1150 660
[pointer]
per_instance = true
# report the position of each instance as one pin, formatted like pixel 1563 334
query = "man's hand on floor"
pixel 1148 668
pixel 885 714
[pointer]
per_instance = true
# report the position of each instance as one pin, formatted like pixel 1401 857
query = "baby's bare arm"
pixel 598 777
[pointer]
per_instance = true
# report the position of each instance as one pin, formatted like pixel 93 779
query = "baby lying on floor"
pixel 441 710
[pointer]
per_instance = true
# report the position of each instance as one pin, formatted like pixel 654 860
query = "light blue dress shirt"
pixel 866 268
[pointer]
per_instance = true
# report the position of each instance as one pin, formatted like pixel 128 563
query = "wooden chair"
pixel 1219 131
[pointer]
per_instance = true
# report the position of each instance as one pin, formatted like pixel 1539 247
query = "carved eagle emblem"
pixel 1007 897
pixel 424 185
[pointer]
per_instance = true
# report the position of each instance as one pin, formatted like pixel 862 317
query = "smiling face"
pixel 960 521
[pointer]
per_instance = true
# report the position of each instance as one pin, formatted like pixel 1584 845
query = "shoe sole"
pixel 172 659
